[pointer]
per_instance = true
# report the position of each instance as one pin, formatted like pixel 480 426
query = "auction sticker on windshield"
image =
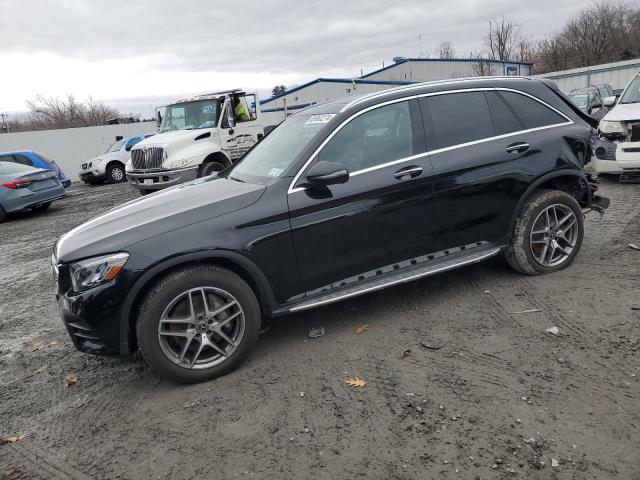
pixel 322 118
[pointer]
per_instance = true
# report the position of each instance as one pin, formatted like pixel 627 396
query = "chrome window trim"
pixel 428 152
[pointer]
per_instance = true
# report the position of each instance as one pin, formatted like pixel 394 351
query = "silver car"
pixel 23 187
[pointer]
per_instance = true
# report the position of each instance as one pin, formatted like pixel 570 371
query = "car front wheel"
pixel 547 234
pixel 115 174
pixel 198 323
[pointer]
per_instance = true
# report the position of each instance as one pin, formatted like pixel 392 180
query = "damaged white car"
pixel 617 146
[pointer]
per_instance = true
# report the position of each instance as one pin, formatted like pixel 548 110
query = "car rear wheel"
pixel 198 323
pixel 547 235
pixel 42 206
pixel 115 173
pixel 3 214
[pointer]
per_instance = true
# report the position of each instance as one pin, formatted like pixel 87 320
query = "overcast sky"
pixel 138 54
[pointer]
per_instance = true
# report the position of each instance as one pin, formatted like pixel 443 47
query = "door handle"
pixel 412 172
pixel 518 147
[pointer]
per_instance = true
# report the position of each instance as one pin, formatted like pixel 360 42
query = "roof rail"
pixel 407 88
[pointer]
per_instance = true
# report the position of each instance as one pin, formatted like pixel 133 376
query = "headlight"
pixel 127 166
pixel 183 162
pixel 95 271
pixel 606 126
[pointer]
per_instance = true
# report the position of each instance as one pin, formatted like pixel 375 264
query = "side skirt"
pixel 387 276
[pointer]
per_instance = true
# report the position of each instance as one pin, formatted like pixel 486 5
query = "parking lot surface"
pixel 462 379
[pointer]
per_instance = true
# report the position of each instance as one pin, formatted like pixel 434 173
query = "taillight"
pixel 21 183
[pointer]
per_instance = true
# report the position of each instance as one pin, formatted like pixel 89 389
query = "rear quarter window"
pixel 532 113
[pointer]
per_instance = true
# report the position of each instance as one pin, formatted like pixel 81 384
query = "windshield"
pixel 190 115
pixel 116 146
pixel 273 155
pixel 632 93
pixel 580 100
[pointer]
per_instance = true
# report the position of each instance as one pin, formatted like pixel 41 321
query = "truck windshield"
pixel 632 93
pixel 273 155
pixel 190 115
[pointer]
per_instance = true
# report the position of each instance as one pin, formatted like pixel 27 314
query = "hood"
pixel 623 112
pixel 173 137
pixel 158 213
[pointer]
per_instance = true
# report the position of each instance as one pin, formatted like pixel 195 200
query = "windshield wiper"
pixel 235 179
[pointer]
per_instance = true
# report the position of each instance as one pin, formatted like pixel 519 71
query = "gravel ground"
pixel 458 384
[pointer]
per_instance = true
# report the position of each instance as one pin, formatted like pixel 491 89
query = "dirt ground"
pixel 458 385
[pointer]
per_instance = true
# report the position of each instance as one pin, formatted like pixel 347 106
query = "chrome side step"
pixel 397 278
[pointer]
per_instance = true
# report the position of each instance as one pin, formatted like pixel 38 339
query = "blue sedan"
pixel 37 160
pixel 23 187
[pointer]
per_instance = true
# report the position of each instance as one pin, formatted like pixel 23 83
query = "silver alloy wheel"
pixel 554 235
pixel 117 174
pixel 201 328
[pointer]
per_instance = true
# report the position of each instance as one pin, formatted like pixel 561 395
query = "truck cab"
pixel 197 136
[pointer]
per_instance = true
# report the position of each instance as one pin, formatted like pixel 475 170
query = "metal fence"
pixel 70 147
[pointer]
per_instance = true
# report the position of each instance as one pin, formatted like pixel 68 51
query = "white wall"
pixel 70 147
pixel 616 74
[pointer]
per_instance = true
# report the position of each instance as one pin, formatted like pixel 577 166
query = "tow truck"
pixel 197 137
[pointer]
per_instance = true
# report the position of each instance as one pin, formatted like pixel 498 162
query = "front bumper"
pixel 91 176
pixel 159 179
pixel 92 318
pixel 610 157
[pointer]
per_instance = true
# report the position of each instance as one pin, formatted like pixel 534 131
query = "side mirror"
pixel 609 101
pixel 327 173
pixel 158 118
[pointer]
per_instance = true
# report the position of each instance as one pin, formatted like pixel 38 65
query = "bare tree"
pixel 502 38
pixel 482 67
pixel 54 112
pixel 447 51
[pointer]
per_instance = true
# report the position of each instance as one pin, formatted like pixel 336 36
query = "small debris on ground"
pixel 12 439
pixel 487 292
pixel 405 353
pixel 554 462
pixel 634 246
pixel 530 440
pixel 72 380
pixel 553 330
pixel 432 347
pixel 302 394
pixel 36 346
pixel 355 382
pixel 362 329
pixel 316 332
pixel 531 310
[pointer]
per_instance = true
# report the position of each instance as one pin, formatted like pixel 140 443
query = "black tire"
pixel 3 214
pixel 42 207
pixel 519 253
pixel 210 168
pixel 178 283
pixel 115 173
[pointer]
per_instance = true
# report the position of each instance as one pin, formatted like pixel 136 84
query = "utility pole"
pixel 5 124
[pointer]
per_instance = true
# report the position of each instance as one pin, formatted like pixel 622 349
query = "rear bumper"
pixel 27 198
pixel 157 180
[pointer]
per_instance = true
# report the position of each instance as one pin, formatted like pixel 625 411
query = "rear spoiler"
pixel 554 88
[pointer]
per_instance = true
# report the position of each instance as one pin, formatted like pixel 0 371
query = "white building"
pixel 616 74
pixel 319 90
pixel 429 69
pixel 402 72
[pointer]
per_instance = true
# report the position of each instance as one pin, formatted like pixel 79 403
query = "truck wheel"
pixel 198 323
pixel 115 173
pixel 210 168
pixel 547 234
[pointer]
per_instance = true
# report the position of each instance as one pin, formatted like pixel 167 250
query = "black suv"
pixel 341 199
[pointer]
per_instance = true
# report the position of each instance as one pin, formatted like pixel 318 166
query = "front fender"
pixel 258 281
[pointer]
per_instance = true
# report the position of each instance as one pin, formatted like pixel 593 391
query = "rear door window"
pixel 457 118
pixel 504 120
pixel 533 113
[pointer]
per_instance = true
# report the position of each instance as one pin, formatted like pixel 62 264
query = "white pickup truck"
pixel 196 137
